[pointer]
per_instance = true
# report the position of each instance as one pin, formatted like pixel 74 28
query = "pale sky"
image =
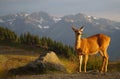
pixel 100 8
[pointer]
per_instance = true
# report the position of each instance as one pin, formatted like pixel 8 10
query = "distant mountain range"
pixel 59 28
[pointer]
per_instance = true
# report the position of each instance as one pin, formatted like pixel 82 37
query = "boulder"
pixel 46 63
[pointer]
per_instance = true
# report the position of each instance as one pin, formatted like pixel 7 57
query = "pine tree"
pixel 7 35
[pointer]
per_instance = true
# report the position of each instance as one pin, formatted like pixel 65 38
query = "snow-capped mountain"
pixel 59 28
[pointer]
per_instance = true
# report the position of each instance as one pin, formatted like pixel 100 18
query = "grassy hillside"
pixel 11 57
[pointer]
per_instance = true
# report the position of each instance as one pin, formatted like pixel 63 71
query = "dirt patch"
pixel 89 75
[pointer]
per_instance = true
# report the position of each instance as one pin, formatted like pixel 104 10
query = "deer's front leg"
pixel 80 62
pixel 85 62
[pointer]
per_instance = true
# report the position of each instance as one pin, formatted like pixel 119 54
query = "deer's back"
pixel 95 43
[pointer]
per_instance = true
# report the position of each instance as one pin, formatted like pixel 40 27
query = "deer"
pixel 97 43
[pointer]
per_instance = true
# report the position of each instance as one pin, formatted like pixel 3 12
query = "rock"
pixel 47 62
pixel 51 61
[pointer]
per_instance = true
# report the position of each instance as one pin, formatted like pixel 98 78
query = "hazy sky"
pixel 99 8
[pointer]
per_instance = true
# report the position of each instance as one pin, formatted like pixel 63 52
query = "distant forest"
pixel 8 36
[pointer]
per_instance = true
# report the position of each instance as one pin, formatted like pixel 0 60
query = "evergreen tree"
pixel 29 39
pixel 7 35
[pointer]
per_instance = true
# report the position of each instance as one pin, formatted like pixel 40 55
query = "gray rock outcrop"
pixel 47 62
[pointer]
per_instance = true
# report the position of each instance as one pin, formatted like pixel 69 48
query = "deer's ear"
pixel 73 27
pixel 81 28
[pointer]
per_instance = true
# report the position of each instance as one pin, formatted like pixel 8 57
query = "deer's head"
pixel 78 31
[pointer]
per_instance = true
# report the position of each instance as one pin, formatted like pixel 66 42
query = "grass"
pixel 14 55
pixel 70 65
pixel 11 57
pixel 114 66
pixel 94 63
pixel 8 62
pixel 13 61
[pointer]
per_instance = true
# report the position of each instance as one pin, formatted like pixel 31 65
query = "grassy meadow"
pixel 13 61
pixel 11 57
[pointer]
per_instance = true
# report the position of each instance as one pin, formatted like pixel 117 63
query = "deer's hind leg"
pixel 105 60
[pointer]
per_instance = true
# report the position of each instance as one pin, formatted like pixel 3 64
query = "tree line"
pixel 29 39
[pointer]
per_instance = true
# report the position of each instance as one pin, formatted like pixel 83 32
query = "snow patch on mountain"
pixel 39 21
pixel 43 27
pixel 91 18
pixel 117 28
pixel 26 15
pixel 22 14
pixel 95 17
pixel 46 27
pixel 56 19
pixel 39 26
pixel 97 23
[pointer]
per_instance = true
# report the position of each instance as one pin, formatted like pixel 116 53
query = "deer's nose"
pixel 78 33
